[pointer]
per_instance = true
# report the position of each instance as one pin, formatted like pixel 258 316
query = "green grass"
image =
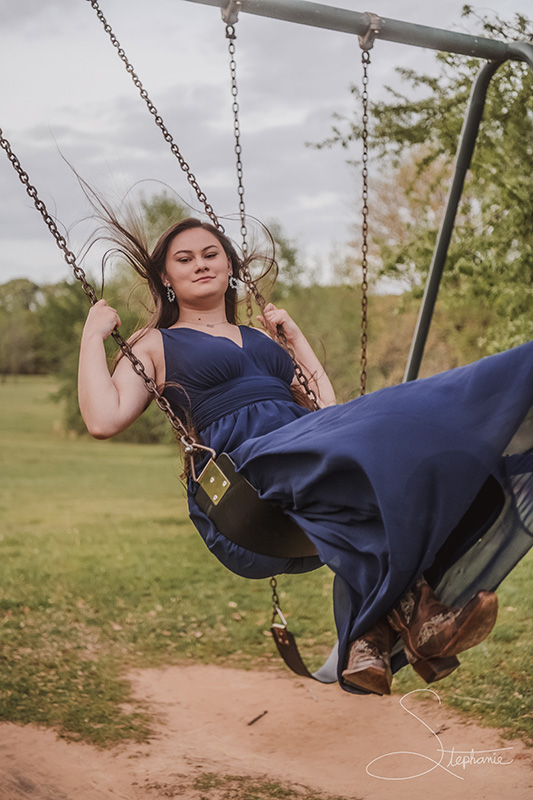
pixel 231 787
pixel 101 571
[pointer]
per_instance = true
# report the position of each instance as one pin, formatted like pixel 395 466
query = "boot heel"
pixel 434 669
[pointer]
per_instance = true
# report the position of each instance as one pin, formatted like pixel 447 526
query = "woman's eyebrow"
pixel 189 252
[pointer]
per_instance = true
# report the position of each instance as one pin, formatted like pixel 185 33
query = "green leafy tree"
pixel 415 135
pixel 19 298
pixel 291 269
pixel 160 212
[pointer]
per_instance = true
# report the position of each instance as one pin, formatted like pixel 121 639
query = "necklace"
pixel 207 324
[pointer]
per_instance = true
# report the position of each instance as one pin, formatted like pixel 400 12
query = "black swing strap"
pixel 258 525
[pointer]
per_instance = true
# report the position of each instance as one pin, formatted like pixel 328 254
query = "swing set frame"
pixel 494 51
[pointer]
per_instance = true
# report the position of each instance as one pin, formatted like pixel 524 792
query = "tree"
pixel 19 298
pixel 288 260
pixel 160 212
pixel 491 255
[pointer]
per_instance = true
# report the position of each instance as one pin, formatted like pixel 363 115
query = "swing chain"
pixel 251 288
pixel 231 37
pixel 202 197
pixel 276 610
pixel 89 290
pixel 186 439
pixel 364 227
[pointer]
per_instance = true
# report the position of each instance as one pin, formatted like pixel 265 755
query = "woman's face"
pixel 197 267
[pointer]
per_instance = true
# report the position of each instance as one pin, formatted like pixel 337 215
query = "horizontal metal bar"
pixel 355 22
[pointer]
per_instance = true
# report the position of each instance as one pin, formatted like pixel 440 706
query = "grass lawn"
pixel 100 571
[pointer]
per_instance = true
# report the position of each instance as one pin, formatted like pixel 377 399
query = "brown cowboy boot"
pixel 432 669
pixel 435 633
pixel 369 659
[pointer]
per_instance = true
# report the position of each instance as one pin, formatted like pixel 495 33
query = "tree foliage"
pixel 19 299
pixel 414 136
pixel 160 212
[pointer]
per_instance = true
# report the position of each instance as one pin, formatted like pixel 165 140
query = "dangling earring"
pixel 233 282
pixel 171 294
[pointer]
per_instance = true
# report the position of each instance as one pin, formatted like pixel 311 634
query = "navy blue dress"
pixel 377 483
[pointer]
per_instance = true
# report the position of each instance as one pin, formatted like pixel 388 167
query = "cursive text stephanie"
pixel 457 758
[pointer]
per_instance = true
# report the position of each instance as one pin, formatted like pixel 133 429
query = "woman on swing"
pixel 377 484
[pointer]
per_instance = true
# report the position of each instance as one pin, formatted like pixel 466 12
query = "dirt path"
pixel 310 736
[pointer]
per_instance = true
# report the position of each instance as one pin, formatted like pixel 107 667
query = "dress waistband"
pixel 235 394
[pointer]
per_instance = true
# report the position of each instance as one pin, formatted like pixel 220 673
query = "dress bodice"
pixel 231 392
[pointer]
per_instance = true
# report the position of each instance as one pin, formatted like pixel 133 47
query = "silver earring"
pixel 171 294
pixel 233 282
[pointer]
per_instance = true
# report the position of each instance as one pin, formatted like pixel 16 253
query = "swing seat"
pixel 234 506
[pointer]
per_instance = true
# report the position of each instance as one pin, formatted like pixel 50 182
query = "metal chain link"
pixel 231 37
pixel 202 197
pixel 187 440
pixel 364 228
pixel 251 288
pixel 275 599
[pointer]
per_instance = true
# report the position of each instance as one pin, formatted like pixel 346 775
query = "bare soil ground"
pixel 270 726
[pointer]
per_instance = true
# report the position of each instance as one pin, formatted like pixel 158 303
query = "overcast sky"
pixel 63 91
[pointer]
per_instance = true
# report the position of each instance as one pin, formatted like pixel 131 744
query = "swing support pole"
pixel 467 142
pixel 330 18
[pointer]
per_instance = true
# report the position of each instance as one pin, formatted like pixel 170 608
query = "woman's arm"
pixel 313 369
pixel 109 403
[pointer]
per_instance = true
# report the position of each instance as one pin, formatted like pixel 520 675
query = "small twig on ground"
pixel 256 718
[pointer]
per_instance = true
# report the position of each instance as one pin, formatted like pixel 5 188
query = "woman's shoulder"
pixel 147 342
pixel 256 330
